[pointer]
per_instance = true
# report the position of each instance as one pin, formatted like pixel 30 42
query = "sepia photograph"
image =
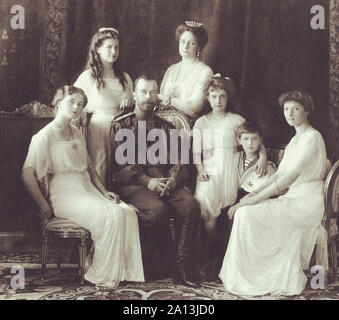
pixel 179 151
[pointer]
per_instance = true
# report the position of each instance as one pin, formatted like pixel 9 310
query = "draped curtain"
pixel 265 46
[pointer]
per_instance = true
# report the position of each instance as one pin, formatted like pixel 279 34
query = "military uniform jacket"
pixel 138 156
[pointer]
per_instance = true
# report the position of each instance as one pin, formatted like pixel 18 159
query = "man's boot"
pixel 185 249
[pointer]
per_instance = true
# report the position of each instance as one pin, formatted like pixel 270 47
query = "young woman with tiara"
pixel 108 89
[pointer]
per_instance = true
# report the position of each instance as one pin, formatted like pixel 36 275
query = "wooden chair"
pixel 175 117
pixel 329 221
pixel 64 229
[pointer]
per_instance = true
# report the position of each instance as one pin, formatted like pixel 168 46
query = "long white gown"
pixel 272 242
pixel 114 227
pixel 219 146
pixel 103 104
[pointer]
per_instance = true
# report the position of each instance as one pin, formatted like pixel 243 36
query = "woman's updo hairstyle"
pixel 65 91
pixel 302 97
pixel 197 29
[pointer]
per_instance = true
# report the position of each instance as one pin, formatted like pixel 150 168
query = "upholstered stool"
pixel 64 229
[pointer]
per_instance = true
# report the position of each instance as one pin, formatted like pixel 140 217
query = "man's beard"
pixel 149 105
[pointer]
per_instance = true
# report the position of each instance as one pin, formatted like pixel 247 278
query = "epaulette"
pixel 123 116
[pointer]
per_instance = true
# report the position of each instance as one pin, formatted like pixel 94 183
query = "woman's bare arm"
pixel 32 186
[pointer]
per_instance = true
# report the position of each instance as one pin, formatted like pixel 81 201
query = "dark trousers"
pixel 154 217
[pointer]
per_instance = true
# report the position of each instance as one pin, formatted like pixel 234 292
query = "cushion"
pixel 64 225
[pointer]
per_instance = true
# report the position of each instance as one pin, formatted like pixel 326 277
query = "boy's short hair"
pixel 249 127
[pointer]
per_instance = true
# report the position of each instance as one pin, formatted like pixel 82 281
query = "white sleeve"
pixel 193 105
pixel 84 82
pixel 37 156
pixel 197 137
pixel 129 86
pixel 166 82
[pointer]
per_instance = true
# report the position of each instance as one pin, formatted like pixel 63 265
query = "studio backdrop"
pixel 266 46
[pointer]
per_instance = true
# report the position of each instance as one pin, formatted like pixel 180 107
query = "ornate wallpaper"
pixel 52 48
pixel 19 54
pixel 334 76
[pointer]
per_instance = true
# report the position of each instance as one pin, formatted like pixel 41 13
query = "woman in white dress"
pixel 272 240
pixel 215 143
pixel 108 89
pixel 76 192
pixel 184 83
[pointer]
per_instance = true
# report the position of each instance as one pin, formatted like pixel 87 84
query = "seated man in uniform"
pixel 146 178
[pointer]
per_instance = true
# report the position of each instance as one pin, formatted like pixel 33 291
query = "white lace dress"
pixel 103 104
pixel 190 92
pixel 272 242
pixel 220 159
pixel 114 227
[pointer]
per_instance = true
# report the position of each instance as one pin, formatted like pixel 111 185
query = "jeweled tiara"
pixel 193 24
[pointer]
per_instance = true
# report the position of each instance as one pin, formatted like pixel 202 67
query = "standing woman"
pixel 272 240
pixel 184 83
pixel 108 89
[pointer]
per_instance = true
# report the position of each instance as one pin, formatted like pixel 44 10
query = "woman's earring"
pixel 198 54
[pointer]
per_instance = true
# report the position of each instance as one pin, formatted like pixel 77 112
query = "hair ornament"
pixel 109 29
pixel 193 24
pixel 218 75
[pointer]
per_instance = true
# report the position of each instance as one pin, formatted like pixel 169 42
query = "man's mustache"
pixel 150 102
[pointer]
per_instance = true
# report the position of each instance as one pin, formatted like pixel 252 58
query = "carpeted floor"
pixel 64 285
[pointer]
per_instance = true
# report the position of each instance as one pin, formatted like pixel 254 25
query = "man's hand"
pixel 170 186
pixel 157 185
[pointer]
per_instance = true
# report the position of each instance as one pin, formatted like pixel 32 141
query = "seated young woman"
pixel 77 193
pixel 272 240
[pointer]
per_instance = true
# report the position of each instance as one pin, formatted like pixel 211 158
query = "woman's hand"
pixel 245 201
pixel 126 103
pixel 249 195
pixel 45 214
pixel 111 196
pixel 203 177
pixel 248 201
pixel 261 168
pixel 232 211
pixel 164 100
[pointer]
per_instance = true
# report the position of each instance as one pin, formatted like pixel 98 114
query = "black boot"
pixel 185 247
